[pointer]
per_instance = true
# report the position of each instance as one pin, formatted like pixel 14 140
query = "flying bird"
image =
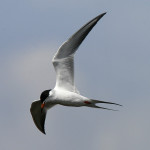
pixel 65 93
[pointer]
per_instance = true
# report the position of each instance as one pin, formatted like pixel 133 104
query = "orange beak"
pixel 42 105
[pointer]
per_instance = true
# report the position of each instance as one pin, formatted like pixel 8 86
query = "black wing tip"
pixel 37 116
pixel 43 131
pixel 103 14
pixel 100 16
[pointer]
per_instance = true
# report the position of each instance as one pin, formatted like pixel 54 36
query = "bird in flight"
pixel 65 93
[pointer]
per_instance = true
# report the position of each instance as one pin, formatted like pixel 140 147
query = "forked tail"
pixel 94 102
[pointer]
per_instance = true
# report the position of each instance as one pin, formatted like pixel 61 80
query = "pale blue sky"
pixel 116 68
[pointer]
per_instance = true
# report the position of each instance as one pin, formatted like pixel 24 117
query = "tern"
pixel 65 93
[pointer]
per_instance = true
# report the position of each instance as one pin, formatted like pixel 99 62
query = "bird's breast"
pixel 67 98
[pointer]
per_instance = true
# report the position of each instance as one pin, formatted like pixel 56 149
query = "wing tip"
pixel 37 116
pixel 100 16
pixel 43 131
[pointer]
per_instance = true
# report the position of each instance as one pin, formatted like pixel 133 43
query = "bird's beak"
pixel 42 106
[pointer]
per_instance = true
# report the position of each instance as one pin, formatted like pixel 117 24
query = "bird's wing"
pixel 63 60
pixel 38 116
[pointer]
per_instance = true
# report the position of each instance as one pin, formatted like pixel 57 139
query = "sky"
pixel 112 64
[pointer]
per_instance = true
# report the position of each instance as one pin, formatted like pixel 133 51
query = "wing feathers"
pixel 63 60
pixel 71 45
pixel 38 116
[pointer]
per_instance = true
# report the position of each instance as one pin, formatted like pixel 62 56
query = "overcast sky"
pixel 112 64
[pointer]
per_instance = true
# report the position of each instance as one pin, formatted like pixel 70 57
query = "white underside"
pixel 66 98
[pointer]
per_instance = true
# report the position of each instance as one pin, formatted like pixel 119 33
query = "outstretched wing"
pixel 63 60
pixel 38 116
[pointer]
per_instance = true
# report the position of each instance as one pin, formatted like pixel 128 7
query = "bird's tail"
pixel 94 102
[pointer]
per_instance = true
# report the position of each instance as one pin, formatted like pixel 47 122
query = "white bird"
pixel 65 93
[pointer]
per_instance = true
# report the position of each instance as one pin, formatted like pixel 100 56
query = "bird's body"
pixel 65 93
pixel 66 98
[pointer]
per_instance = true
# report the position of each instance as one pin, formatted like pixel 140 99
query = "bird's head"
pixel 38 110
pixel 43 97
